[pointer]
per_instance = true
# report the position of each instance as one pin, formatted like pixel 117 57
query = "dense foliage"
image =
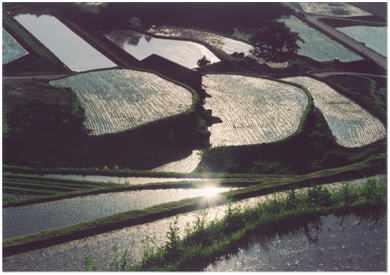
pixel 275 42
pixel 45 125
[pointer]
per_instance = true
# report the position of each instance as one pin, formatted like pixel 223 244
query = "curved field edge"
pixel 308 109
pixel 204 244
pixel 219 53
pixel 191 109
pixel 51 237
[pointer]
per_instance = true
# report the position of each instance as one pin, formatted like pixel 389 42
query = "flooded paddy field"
pixel 220 42
pixel 262 111
pixel 120 99
pixel 352 125
pixel 70 256
pixel 12 50
pixel 28 219
pixel 120 180
pixel 317 45
pixel 185 53
pixel 333 9
pixel 331 243
pixel 185 165
pixel 70 48
pixel 373 37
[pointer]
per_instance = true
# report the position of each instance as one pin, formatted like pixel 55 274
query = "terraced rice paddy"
pixel 28 219
pixel 30 185
pixel 350 124
pixel 12 50
pixel 117 100
pixel 333 9
pixel 225 44
pixel 331 243
pixel 140 46
pixel 219 42
pixel 122 180
pixel 253 110
pixel 69 256
pixel 185 165
pixel 70 48
pixel 317 45
pixel 373 37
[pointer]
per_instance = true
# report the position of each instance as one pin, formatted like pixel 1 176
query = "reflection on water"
pixel 264 110
pixel 70 48
pixel 350 124
pixel 333 9
pixel 28 219
pixel 140 46
pixel 69 256
pixel 119 99
pixel 120 180
pixel 329 243
pixel 12 50
pixel 372 37
pixel 185 165
pixel 318 46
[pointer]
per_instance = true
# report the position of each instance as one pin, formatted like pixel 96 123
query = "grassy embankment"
pixel 367 91
pixel 55 236
pixel 157 142
pixel 45 124
pixel 204 244
pixel 35 140
pixel 312 147
pixel 39 59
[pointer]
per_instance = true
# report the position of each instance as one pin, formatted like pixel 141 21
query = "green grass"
pixel 204 244
pixel 366 91
pixel 59 235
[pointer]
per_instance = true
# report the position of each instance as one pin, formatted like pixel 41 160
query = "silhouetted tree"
pixel 275 42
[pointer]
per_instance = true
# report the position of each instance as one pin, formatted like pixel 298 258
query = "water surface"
pixel 140 46
pixel 28 219
pixel 373 37
pixel 119 99
pixel 12 50
pixel 120 180
pixel 350 124
pixel 253 110
pixel 317 45
pixel 70 255
pixel 329 243
pixel 69 47
pixel 184 165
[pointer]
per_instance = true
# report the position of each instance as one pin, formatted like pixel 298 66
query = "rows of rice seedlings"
pixel 373 37
pixel 225 44
pixel 121 180
pixel 140 46
pixel 12 50
pixel 350 124
pixel 69 47
pixel 253 110
pixel 40 186
pixel 185 165
pixel 333 9
pixel 119 99
pixel 33 218
pixel 317 45
pixel 99 247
